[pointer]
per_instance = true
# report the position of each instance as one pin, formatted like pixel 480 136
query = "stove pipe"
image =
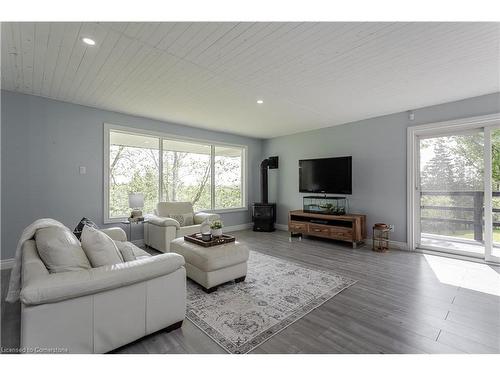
pixel 263 180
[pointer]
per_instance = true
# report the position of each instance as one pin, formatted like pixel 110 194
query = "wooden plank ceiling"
pixel 209 75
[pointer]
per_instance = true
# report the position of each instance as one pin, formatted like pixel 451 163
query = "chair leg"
pixel 210 290
pixel 214 288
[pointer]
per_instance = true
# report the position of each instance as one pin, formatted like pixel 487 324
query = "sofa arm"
pixel 66 285
pixel 200 217
pixel 116 233
pixel 161 221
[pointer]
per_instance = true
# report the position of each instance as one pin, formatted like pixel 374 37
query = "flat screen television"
pixel 329 175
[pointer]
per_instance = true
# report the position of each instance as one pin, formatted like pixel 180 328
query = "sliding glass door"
pixel 455 198
pixel 451 177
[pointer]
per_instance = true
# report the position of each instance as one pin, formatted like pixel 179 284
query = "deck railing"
pixel 477 209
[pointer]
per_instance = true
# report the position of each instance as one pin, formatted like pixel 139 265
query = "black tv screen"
pixel 330 175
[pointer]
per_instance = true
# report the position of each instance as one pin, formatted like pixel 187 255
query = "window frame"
pixel 108 128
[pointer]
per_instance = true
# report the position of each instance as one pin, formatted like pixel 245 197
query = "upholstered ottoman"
pixel 213 266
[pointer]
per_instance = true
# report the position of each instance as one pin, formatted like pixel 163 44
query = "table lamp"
pixel 136 203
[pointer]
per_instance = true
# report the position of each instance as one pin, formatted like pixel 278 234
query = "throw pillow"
pixel 100 249
pixel 78 230
pixel 127 250
pixel 130 251
pixel 184 219
pixel 60 250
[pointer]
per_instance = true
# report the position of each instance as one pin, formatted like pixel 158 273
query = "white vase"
pixel 205 227
pixel 217 232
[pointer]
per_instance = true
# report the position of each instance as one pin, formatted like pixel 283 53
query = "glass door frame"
pixel 414 133
pixel 488 192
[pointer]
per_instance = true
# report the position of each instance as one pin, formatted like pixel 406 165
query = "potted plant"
pixel 216 227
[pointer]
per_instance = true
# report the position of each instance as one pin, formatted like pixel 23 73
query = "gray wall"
pixel 45 141
pixel 378 149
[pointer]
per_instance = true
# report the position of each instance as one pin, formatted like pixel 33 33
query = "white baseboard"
pixel 399 245
pixel 234 228
pixel 6 264
pixel 281 227
pixel 392 244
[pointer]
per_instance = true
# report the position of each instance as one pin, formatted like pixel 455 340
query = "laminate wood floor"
pixel 403 302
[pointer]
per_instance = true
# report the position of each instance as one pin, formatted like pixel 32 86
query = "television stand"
pixel 349 227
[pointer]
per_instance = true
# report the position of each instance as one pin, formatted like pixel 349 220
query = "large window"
pixel 228 176
pixel 133 167
pixel 210 176
pixel 186 173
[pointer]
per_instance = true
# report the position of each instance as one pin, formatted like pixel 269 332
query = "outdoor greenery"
pixel 132 170
pixel 186 177
pixel 470 235
pixel 452 164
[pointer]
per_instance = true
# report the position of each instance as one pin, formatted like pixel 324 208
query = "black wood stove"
pixel 264 213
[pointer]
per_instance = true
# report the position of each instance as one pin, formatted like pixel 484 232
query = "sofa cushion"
pixel 130 252
pixel 166 209
pixel 100 249
pixel 60 250
pixel 139 253
pixel 79 228
pixel 126 250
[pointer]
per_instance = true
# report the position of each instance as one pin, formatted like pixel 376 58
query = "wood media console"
pixel 350 228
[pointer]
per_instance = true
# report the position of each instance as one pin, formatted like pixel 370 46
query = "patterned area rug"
pixel 276 293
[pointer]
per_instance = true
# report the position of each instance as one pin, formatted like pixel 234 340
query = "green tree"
pixel 439 172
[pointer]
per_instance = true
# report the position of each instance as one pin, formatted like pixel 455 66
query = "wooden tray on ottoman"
pixel 196 238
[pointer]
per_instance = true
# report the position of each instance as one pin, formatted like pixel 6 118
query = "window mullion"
pixel 160 172
pixel 243 178
pixel 107 188
pixel 212 177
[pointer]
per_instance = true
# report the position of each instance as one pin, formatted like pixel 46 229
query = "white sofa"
pixel 160 229
pixel 99 309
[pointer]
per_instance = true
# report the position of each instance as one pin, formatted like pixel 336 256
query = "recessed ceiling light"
pixel 260 101
pixel 90 42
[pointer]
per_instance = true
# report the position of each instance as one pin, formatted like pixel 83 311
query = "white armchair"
pixel 160 228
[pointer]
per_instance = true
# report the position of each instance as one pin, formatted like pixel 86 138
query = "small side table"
pixel 380 237
pixel 129 223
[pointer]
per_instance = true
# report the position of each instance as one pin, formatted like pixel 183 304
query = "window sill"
pixel 115 220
